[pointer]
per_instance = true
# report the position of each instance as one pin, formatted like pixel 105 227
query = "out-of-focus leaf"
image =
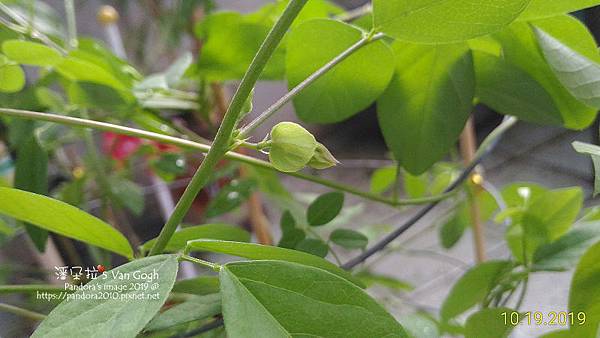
pixel 195 308
pixel 313 246
pixel 383 178
pixel 584 294
pixel 349 239
pixel 564 253
pixel 30 53
pixel 371 279
pixel 420 326
pixel 230 197
pixel 203 285
pixel 224 232
pixel 325 208
pixel 127 194
pixel 594 152
pixel 488 323
pixel 12 77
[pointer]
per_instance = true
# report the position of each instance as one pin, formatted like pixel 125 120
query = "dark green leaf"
pixel 262 252
pixel 291 235
pixel 194 308
pixel 203 285
pixel 472 287
pixel 350 86
pixel 585 292
pixel 62 218
pixel 206 231
pixel 127 194
pixel 230 197
pixel 426 21
pixel 349 239
pixel 89 314
pixel 564 253
pixel 425 107
pixel 283 299
pixel 313 246
pixel 325 208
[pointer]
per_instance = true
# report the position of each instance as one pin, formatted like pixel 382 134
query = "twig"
pixel 21 312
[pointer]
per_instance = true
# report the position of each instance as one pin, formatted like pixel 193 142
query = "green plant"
pixel 425 64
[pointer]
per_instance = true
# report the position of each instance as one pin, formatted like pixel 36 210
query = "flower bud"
pixel 322 159
pixel 292 147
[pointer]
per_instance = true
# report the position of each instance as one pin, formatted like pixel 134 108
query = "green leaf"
pixel 370 279
pixel 230 197
pixel 509 90
pixel 62 218
pixel 521 49
pixel 30 53
pixel 12 77
pixel 415 186
pixel 80 70
pixel 425 21
pixel 292 147
pixel 594 152
pixel 383 179
pixel 291 235
pixel 585 292
pixel 349 239
pixel 175 72
pixel 472 287
pixel 564 253
pixel 348 88
pixel 313 246
pixel 127 194
pixel 31 174
pixel 262 252
pixel 538 9
pixel 488 323
pixel 89 314
pixel 203 285
pixel 206 231
pixel 283 299
pixel 325 208
pixel 426 105
pixel 580 75
pixel 195 308
pixel 546 219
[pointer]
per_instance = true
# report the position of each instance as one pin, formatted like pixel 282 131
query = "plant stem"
pixel 183 143
pixel 224 134
pixel 214 266
pixel 30 288
pixel 71 24
pixel 307 82
pixel 21 312
pixel 486 146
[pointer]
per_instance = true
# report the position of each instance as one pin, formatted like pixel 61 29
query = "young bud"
pixel 292 147
pixel 322 159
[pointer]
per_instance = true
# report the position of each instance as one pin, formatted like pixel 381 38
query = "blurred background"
pixel 156 33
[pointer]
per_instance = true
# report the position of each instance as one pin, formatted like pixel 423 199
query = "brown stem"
pixel 468 146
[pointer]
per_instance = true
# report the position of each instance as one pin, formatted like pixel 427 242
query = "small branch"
pixel 21 312
pixel 307 82
pixel 214 266
pixel 224 134
pixel 30 288
pixel 486 147
pixel 203 148
pixel 71 24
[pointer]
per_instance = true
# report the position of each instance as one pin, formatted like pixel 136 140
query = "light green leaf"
pixel 283 299
pixel 594 152
pixel 62 218
pixel 545 219
pixel 175 72
pixel 580 75
pixel 325 208
pixel 195 308
pixel 89 314
pixel 12 77
pixel 30 53
pixel 85 71
pixel 564 253
pixel 218 231
pixel 472 287
pixel 127 193
pixel 521 49
pixel 370 279
pixel 584 294
pixel 539 9
pixel 203 285
pixel 425 21
pixel 415 186
pixel 349 239
pixel 383 179
pixel 350 86
pixel 292 147
pixel 426 105
pixel 509 90
pixel 488 323
pixel 262 252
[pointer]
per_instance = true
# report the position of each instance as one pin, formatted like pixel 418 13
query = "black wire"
pixel 413 220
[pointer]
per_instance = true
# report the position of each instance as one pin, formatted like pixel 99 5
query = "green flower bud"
pixel 322 159
pixel 292 147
